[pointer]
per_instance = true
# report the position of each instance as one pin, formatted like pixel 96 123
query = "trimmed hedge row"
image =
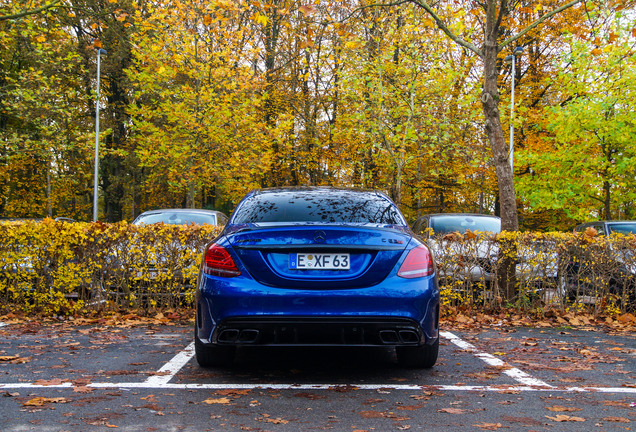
pixel 560 269
pixel 60 268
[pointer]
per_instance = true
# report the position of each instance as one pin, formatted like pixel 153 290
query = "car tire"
pixel 212 355
pixel 424 356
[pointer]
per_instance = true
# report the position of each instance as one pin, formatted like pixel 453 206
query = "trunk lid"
pixel 320 257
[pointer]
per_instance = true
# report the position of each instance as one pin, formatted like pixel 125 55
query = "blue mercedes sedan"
pixel 317 266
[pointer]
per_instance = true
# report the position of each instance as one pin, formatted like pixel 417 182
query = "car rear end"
pixel 361 280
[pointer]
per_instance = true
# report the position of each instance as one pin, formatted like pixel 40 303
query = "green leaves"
pixel 588 166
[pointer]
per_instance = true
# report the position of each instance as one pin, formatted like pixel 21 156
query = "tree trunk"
pixel 494 131
pixel 271 101
pixel 607 199
pixel 506 277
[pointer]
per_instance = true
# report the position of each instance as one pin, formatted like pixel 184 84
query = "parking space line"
pixel 170 369
pixel 372 387
pixel 513 372
pixel 165 374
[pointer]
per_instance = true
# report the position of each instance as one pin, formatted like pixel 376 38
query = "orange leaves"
pixel 43 401
pixel 488 426
pixel 590 232
pixel 268 419
pixel 307 9
pixel 214 401
pixel 565 418
pixel 14 359
pixel 452 410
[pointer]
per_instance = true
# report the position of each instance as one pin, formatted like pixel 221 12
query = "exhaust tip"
pixel 409 337
pixel 389 336
pixel 228 336
pixel 248 336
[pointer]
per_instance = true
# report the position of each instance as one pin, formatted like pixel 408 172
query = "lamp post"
pixel 511 58
pixel 95 193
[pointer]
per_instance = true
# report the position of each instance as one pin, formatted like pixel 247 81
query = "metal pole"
pixel 512 107
pixel 95 191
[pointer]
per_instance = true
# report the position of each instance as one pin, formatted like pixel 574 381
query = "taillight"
pixel 418 263
pixel 219 262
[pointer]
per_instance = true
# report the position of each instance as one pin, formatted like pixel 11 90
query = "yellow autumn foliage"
pixel 55 268
pixel 59 268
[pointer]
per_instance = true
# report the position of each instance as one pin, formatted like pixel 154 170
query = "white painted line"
pixel 170 369
pixel 374 387
pixel 517 374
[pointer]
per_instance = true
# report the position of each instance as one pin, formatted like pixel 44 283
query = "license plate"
pixel 318 261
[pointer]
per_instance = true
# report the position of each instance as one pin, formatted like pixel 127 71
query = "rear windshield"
pixel 176 218
pixel 622 228
pixel 460 223
pixel 320 205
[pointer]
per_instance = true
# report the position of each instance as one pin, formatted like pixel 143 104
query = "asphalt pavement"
pixel 95 378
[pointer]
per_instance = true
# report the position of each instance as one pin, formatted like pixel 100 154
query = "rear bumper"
pixel 396 312
pixel 303 331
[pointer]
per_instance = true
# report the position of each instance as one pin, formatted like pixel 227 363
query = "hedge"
pixel 51 267
pixel 60 268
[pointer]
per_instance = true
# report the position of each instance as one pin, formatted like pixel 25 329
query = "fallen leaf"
pixel 52 382
pixel 627 318
pixel 410 407
pixel 488 426
pixel 452 410
pixel 9 358
pixel 566 418
pixel 233 392
pixel 616 419
pixel 372 414
pixel 558 408
pixel 217 401
pixel 528 421
pixel 276 420
pixel 82 389
pixel 40 401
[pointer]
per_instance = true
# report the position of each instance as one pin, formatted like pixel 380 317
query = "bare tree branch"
pixel 540 21
pixel 30 12
pixel 503 9
pixel 445 29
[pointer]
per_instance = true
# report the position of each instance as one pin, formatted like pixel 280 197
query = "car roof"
pixel 181 210
pixel 314 189
pixel 462 214
pixel 607 222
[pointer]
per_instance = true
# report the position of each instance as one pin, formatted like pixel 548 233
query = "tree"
pixel 25 12
pixel 496 16
pixel 496 13
pixel 45 159
pixel 585 163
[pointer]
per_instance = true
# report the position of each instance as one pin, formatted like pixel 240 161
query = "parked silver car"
pixel 466 249
pixel 181 217
pixel 608 268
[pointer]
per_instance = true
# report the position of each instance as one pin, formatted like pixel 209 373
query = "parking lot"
pixel 76 378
